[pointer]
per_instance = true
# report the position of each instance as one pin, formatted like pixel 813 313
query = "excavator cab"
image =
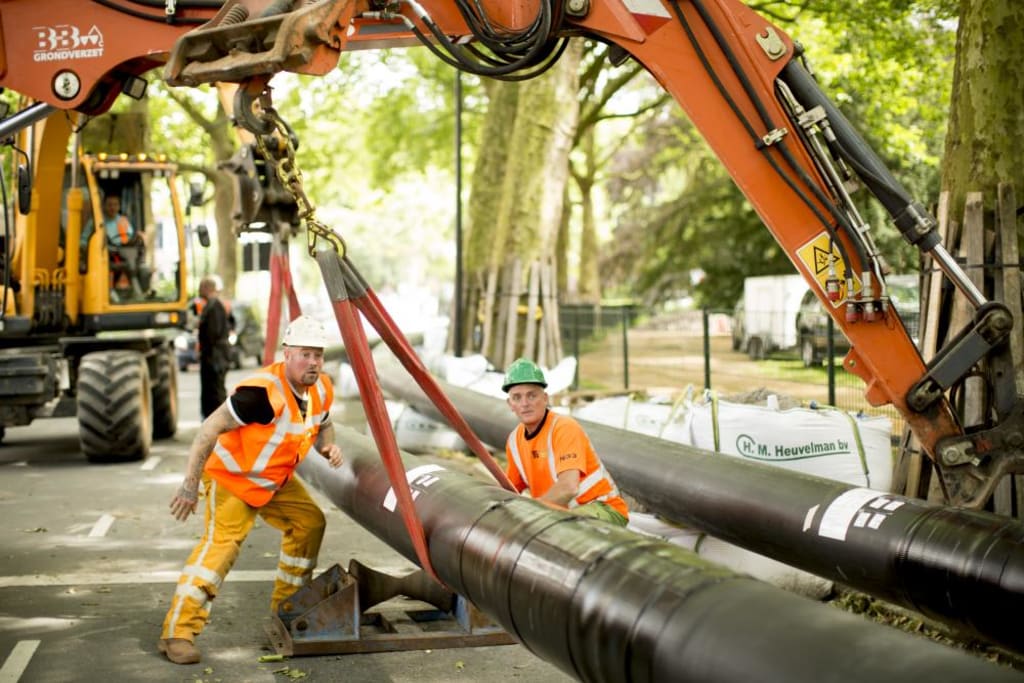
pixel 133 262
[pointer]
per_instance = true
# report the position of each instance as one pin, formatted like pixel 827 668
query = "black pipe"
pixel 604 604
pixel 962 567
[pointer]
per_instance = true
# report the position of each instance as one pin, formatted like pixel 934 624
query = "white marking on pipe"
pixel 18 660
pixel 151 463
pixel 809 517
pixel 102 526
pixel 391 498
pixel 842 512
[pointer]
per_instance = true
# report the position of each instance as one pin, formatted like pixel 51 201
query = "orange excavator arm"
pixel 739 79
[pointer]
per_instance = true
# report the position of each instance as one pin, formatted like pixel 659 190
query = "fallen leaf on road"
pixel 290 673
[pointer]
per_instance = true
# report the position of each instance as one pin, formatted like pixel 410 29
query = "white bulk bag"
pixel 417 433
pixel 622 412
pixel 732 556
pixel 827 443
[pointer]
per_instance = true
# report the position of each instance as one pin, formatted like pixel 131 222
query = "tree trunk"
pixel 517 199
pixel 483 243
pixel 589 287
pixel 223 144
pixel 987 103
pixel 982 165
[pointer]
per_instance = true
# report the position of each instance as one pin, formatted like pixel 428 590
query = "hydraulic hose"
pixel 909 216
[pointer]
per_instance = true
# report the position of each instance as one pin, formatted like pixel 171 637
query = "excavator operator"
pixel 119 230
pixel 128 275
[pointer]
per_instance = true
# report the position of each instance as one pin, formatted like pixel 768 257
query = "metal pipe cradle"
pixel 962 567
pixel 605 604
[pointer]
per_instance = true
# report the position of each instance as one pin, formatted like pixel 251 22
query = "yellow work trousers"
pixel 228 521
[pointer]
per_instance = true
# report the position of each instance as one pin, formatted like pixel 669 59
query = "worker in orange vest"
pixel 245 455
pixel 550 457
pixel 119 231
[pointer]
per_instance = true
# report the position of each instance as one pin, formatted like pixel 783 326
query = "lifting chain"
pixel 272 129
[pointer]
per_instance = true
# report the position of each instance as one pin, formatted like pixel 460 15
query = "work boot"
pixel 179 650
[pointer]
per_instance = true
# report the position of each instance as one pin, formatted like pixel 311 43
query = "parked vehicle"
pixel 812 325
pixel 738 326
pixel 812 320
pixel 246 340
pixel 764 320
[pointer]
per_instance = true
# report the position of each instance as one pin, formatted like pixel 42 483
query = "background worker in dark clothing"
pixel 214 347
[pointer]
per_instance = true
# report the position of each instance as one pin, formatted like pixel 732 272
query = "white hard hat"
pixel 305 331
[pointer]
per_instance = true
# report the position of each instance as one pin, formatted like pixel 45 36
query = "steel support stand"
pixel 370 306
pixel 281 286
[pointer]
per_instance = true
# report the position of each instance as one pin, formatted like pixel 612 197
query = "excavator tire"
pixel 165 395
pixel 114 406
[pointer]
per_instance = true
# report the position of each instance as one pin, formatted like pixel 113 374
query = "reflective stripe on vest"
pixel 513 448
pixel 586 484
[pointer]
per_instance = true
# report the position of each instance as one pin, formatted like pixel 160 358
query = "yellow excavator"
pixel 92 268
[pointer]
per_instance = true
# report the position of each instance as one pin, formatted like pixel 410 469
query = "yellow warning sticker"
pixel 816 255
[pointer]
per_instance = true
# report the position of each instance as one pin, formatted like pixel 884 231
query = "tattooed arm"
pixel 184 502
pixel 326 446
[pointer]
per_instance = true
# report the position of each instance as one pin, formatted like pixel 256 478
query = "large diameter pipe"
pixel 604 604
pixel 961 567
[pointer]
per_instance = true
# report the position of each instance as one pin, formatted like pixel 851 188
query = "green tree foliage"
pixel 886 63
pixel 379 130
pixel 375 148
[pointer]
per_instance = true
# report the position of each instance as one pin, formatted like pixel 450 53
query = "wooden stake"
pixel 552 316
pixel 533 292
pixel 488 331
pixel 1009 279
pixel 512 295
pixel 975 400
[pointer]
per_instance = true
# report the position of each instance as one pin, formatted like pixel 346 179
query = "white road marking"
pixel 151 463
pixel 106 579
pixel 18 660
pixel 102 526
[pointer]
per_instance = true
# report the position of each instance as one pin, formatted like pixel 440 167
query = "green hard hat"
pixel 523 371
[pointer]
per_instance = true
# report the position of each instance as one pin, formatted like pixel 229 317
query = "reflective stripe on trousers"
pixel 228 521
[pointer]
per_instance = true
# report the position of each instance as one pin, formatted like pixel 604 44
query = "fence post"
pixel 707 349
pixel 624 310
pixel 576 346
pixel 830 359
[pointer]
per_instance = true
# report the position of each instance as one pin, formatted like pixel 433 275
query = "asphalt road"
pixel 89 556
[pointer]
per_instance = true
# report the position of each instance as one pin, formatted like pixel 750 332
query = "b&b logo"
pixel 66 41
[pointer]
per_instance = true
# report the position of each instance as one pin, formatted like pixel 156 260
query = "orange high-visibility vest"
pixel 199 303
pixel 254 460
pixel 122 228
pixel 561 444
